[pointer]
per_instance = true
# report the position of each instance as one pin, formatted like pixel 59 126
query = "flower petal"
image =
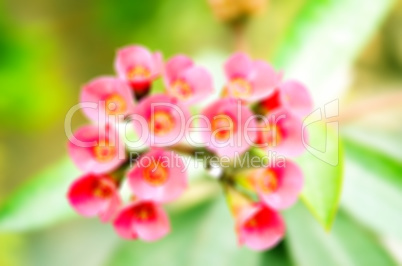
pixel 263 79
pixel 200 81
pixel 154 229
pixel 268 228
pixel 82 196
pixel 175 66
pixel 124 224
pixel 296 97
pixel 238 65
pixel 132 56
pixel 168 190
pixel 240 138
pixel 290 184
pixel 81 149
pixel 100 89
pixel 148 107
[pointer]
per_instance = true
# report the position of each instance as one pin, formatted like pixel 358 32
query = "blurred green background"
pixel 349 50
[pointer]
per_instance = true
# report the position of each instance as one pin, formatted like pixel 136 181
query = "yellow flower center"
pixel 251 223
pixel 270 136
pixel 268 181
pixel 102 189
pixel 115 104
pixel 144 212
pixel 181 90
pixel 155 174
pixel 258 219
pixel 223 127
pixel 138 72
pixel 103 152
pixel 240 88
pixel 161 123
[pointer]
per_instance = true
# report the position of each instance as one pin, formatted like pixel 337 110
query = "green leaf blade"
pixel 326 39
pixel 323 181
pixel 373 189
pixel 348 244
pixel 41 201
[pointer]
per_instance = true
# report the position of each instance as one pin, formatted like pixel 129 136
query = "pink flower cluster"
pixel 256 109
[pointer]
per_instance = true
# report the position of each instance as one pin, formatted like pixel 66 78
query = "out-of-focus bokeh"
pixel 48 49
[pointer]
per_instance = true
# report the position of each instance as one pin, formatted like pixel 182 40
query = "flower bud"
pixel 139 67
pixel 158 175
pixel 186 81
pixel 233 10
pixel 92 195
pixel 259 227
pixel 144 219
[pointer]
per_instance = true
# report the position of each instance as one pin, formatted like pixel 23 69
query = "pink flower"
pixel 259 227
pixel 279 187
pixel 282 132
pixel 187 82
pixel 139 66
pixel 162 120
pixel 96 149
pixel 228 121
pixel 144 219
pixel 159 176
pixel 95 195
pixel 249 80
pixel 291 95
pixel 116 94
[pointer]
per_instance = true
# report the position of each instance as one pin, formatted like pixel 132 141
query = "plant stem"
pixel 238 29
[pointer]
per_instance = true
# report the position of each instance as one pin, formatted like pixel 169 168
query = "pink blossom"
pixel 282 132
pixel 291 95
pixel 249 80
pixel 96 149
pixel 144 219
pixel 162 120
pixel 116 94
pixel 227 128
pixel 279 187
pixel 95 195
pixel 159 176
pixel 187 82
pixel 228 120
pixel 259 227
pixel 138 66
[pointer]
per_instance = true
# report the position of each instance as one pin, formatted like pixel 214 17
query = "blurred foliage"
pixel 320 50
pixel 10 250
pixel 30 78
pixel 323 176
pixel 373 189
pixel 348 244
pixel 42 199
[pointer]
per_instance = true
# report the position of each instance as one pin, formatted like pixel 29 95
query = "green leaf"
pixel 318 50
pixel 326 37
pixel 373 189
pixel 322 166
pixel 10 245
pixel 348 244
pixel 204 235
pixel 384 138
pixel 32 52
pixel 40 202
pixel 78 242
pixel 278 256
